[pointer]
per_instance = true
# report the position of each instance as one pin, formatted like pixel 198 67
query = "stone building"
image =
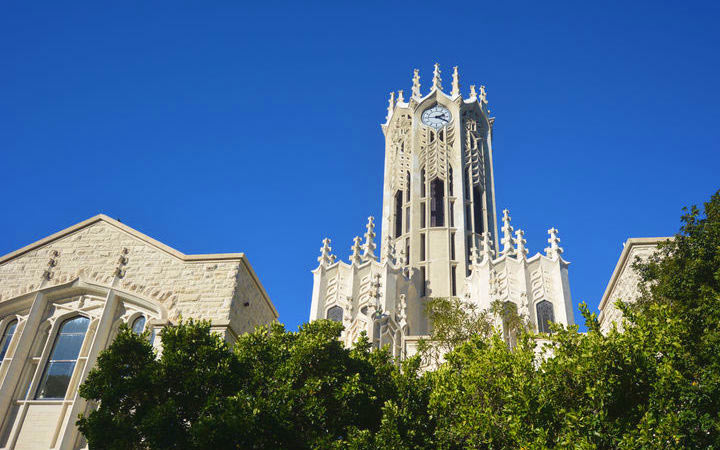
pixel 623 284
pixel 440 231
pixel 63 298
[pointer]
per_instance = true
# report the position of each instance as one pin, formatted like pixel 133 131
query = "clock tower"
pixel 440 234
pixel 439 195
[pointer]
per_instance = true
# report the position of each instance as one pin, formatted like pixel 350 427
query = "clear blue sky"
pixel 228 126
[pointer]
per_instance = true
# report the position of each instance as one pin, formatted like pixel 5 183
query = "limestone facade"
pixel 439 230
pixel 624 281
pixel 63 298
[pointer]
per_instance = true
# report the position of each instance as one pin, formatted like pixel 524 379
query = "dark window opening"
pixel 452 246
pixel 335 313
pixel 467 185
pixel 422 183
pixel 423 281
pixel 437 203
pixel 422 247
pixel 450 182
pixel 398 213
pixel 545 316
pixel 453 273
pixel 451 212
pixel 422 215
pixel 477 205
pixel 407 251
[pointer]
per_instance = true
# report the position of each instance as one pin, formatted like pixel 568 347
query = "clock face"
pixel 437 117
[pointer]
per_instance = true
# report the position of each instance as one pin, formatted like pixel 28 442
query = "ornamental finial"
pixel 554 250
pixel 388 254
pixel 391 106
pixel 369 246
pixel 483 95
pixel 520 241
pixel 437 81
pixel 455 83
pixel 474 255
pixel 416 85
pixel 355 257
pixel 487 251
pixel 507 229
pixel 325 258
pixel 400 98
pixel 473 93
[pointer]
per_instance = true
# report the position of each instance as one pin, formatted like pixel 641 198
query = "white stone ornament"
pixel 520 241
pixel 507 229
pixel 473 94
pixel 455 83
pixel 325 258
pixel 488 253
pixel 391 107
pixel 554 251
pixel 356 249
pixel 437 81
pixel 416 85
pixel 369 246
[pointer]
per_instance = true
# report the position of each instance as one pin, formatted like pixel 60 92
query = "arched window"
pixel 63 358
pixel 398 213
pixel 545 316
pixel 437 203
pixel 138 325
pixel 335 314
pixel 7 337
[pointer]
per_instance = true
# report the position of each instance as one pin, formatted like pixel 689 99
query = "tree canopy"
pixel 656 384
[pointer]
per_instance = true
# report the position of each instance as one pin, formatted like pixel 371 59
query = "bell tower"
pixel 439 194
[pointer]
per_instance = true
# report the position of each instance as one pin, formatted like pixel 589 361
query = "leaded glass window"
pixel 7 337
pixel 63 358
pixel 335 314
pixel 138 325
pixel 545 316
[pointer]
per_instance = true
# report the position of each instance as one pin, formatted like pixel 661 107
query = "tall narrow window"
pixel 452 246
pixel 138 325
pixel 451 213
pixel 450 182
pixel 423 281
pixel 407 187
pixel 422 215
pixel 545 316
pixel 477 206
pixel 63 358
pixel 453 275
pixel 398 213
pixel 7 337
pixel 422 183
pixel 407 251
pixel 335 314
pixel 468 250
pixel 437 202
pixel 466 185
pixel 422 247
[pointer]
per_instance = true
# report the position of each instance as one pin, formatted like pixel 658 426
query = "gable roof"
pixel 211 257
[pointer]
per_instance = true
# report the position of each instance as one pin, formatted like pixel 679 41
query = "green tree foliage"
pixel 656 384
pixel 277 389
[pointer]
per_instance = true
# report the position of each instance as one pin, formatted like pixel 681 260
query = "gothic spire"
pixel 473 93
pixel 325 258
pixel 369 246
pixel 388 253
pixel 554 250
pixel 455 83
pixel 355 257
pixel 474 256
pixel 416 85
pixel 507 229
pixel 437 81
pixel 487 247
pixel 391 106
pixel 400 98
pixel 521 251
